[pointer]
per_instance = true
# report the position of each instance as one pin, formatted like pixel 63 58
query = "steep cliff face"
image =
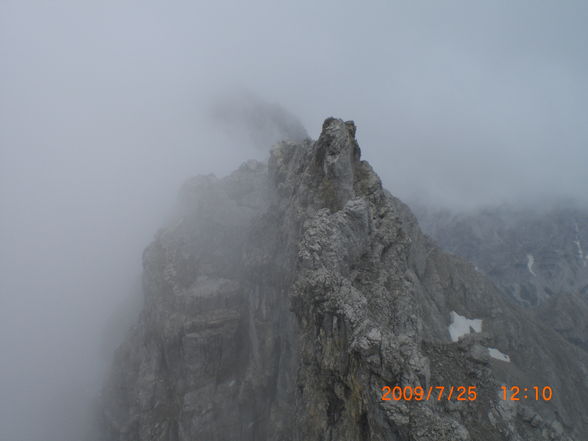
pixel 288 295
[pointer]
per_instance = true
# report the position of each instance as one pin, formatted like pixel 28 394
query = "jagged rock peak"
pixel 338 128
pixel 289 296
pixel 337 139
pixel 329 171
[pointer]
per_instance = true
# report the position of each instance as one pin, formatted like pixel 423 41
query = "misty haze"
pixel 245 221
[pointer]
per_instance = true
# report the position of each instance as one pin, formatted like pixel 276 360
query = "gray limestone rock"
pixel 535 257
pixel 287 296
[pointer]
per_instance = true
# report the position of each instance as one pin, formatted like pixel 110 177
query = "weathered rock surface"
pixel 536 257
pixel 532 255
pixel 288 294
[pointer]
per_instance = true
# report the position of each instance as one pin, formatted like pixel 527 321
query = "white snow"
pixel 580 251
pixel 495 353
pixel 530 262
pixel 461 326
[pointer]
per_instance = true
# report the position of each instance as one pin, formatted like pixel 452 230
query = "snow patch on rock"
pixel 495 353
pixel 461 326
pixel 530 263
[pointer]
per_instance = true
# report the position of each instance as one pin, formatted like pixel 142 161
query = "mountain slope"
pixel 536 258
pixel 288 295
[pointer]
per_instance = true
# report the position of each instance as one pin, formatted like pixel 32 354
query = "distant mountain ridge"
pixel 537 257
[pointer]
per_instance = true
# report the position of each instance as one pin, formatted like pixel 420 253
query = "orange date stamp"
pixel 517 393
pixel 462 393
pixel 438 393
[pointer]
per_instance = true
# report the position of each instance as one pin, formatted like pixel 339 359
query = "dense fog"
pixel 107 107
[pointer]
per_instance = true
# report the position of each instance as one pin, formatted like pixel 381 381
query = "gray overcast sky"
pixel 103 114
pixel 468 101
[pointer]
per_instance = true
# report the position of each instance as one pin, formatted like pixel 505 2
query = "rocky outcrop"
pixel 287 295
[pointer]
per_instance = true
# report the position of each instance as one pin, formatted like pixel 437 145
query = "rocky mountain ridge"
pixel 288 294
